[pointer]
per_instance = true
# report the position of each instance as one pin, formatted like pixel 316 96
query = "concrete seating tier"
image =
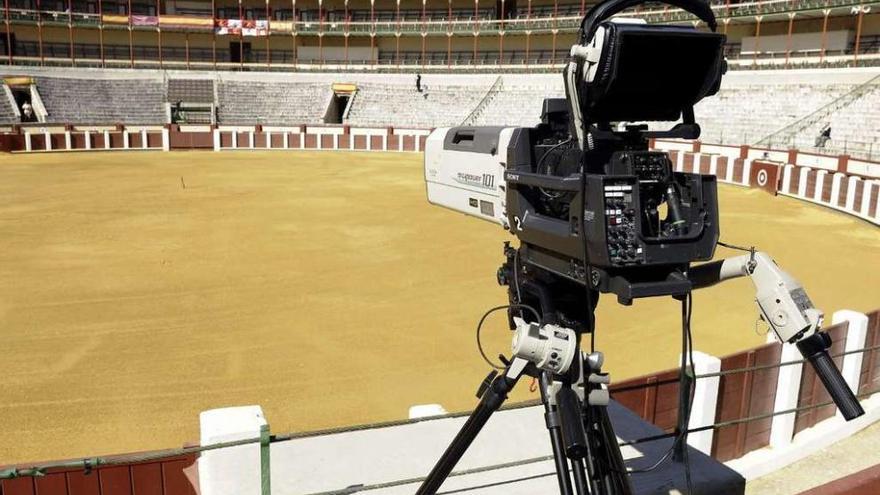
pixel 745 114
pixel 7 113
pixel 516 106
pixel 191 90
pixel 103 101
pixel 400 105
pixel 287 103
pixel 855 129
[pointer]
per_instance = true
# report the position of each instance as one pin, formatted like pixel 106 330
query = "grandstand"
pixel 404 106
pixel 259 102
pixel 102 101
pixel 769 108
pixel 454 35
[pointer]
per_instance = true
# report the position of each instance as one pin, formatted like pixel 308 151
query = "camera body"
pixel 591 204
pixel 528 181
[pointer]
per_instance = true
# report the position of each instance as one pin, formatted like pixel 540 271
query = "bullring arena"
pixel 177 242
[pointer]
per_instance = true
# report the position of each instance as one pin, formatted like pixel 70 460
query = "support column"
pixel 8 32
pixel 373 33
pixel 70 31
pixel 40 32
pixel 758 19
pixel 856 332
pixel 825 13
pixel 802 182
pixel 214 34
pixel 476 29
pixel 268 35
pixel 240 36
pixel 501 37
pixel 397 37
pixel 788 386
pixel 705 401
pixel 159 32
pixel 791 17
pixel 130 40
pixel 555 32
pixel 862 11
pixel 235 469
pixel 424 33
pixel 293 32
pixel 320 33
pixel 449 35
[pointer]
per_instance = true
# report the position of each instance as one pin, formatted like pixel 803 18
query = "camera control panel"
pixel 648 166
pixel 624 247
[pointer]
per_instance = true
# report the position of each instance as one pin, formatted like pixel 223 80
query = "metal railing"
pixel 542 21
pixel 265 439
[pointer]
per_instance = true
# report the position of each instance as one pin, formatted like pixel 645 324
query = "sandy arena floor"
pixel 321 286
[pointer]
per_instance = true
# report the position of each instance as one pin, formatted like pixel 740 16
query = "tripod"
pixel 576 419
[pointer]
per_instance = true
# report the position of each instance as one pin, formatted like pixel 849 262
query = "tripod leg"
pixel 574 437
pixel 553 420
pixel 492 398
pixel 605 465
pixel 615 474
pixel 580 478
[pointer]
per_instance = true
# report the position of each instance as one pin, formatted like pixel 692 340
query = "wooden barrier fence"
pixel 219 138
pixel 164 476
pixel 750 387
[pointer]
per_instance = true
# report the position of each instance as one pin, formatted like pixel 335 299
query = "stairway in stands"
pixel 788 134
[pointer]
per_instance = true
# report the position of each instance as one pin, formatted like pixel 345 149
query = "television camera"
pixel 597 211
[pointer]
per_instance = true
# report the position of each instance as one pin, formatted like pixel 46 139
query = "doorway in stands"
pixel 340 103
pixel 23 97
pixel 239 52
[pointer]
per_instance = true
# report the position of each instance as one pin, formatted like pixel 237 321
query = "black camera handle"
pixel 605 10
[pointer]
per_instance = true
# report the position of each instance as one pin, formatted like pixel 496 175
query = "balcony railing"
pixel 564 19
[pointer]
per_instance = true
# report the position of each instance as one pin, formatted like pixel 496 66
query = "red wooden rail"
pixel 162 477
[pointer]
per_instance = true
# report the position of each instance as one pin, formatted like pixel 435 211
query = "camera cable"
pixel 687 360
pixel 541 162
pixel 588 293
pixel 486 315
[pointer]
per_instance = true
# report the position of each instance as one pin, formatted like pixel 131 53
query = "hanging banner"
pixel 245 27
pixel 114 19
pixel 282 26
pixel 255 28
pixel 227 26
pixel 144 20
pixel 184 22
